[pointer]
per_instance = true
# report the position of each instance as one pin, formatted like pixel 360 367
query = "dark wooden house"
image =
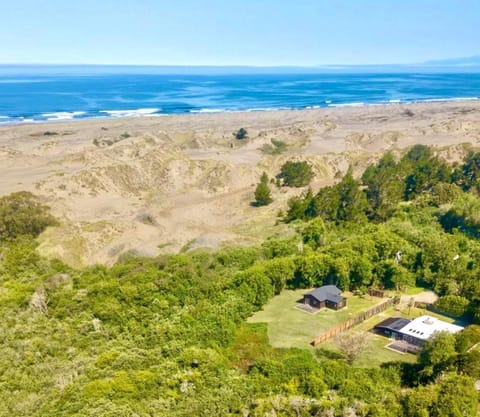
pixel 326 296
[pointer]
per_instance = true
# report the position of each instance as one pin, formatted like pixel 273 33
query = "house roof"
pixel 424 327
pixel 392 323
pixel 327 292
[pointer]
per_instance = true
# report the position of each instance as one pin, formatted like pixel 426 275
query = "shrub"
pixel 275 148
pixel 454 305
pixel 21 213
pixel 296 174
pixel 241 134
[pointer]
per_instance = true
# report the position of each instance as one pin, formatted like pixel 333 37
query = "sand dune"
pixel 152 185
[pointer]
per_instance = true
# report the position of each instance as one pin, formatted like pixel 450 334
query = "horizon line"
pixel 450 61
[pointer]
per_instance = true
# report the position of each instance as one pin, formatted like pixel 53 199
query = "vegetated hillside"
pixel 167 336
pixel 163 184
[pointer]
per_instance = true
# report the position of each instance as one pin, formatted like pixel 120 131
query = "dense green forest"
pixel 167 336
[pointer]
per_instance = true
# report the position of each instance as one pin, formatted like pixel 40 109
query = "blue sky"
pixel 234 32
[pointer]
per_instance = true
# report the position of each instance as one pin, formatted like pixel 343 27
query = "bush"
pixel 241 134
pixel 454 305
pixel 21 213
pixel 296 174
pixel 276 147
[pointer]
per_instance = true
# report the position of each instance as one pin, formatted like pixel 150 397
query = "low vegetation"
pixel 169 335
pixel 241 134
pixel 22 214
pixel 296 174
pixel 275 147
pixel 103 142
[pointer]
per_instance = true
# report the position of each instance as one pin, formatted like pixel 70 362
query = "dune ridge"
pixel 161 184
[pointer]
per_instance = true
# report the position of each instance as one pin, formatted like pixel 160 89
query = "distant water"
pixel 30 96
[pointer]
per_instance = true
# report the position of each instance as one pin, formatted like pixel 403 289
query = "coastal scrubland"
pixel 197 332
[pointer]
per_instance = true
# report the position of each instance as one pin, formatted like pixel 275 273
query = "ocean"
pixel 37 95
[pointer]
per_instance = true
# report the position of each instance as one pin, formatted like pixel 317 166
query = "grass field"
pixel 290 327
pixel 375 353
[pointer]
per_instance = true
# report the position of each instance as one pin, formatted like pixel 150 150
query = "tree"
pixel 467 338
pixel 262 192
pixel 241 133
pixel 454 305
pixel 469 364
pixel 418 402
pixel 351 344
pixel 456 398
pixel 313 233
pixel 385 186
pixel 394 275
pixel 280 270
pixel 296 174
pixel 438 354
pixel 352 200
pixel 22 213
pixel 468 174
pixel 326 203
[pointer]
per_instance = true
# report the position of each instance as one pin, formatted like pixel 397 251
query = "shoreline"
pixel 145 113
pixel 160 184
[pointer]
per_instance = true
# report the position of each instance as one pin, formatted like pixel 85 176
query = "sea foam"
pixel 62 115
pixel 130 113
pixel 355 104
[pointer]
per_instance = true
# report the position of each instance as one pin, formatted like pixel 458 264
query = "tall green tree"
pixel 352 201
pixel 263 194
pixel 437 355
pixel 457 397
pixel 385 187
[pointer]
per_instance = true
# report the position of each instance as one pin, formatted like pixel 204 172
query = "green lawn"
pixel 290 327
pixel 375 353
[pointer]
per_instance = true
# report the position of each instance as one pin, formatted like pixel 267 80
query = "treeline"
pixel 418 176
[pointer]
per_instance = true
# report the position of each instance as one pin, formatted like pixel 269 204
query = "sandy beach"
pixel 161 184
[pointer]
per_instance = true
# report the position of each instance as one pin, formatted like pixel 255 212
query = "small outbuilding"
pixel 326 296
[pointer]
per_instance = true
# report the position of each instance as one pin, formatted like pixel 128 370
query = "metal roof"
pixel 327 292
pixel 424 327
pixel 393 323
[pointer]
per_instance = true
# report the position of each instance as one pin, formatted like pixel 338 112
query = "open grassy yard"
pixel 290 327
pixel 375 353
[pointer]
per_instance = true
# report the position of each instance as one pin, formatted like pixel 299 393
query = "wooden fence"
pixel 364 315
pixel 376 293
